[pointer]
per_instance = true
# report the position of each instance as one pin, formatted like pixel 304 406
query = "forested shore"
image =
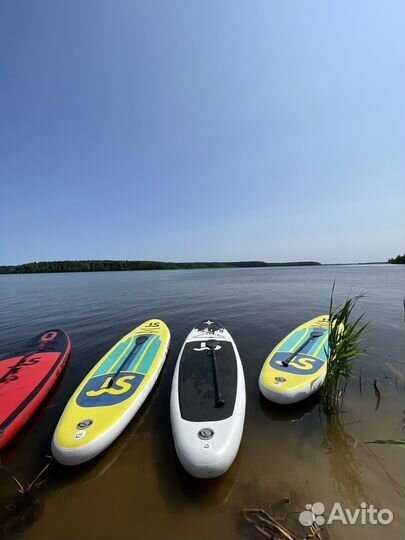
pixel 113 266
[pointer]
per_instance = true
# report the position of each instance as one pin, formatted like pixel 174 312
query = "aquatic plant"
pixel 395 442
pixel 392 442
pixel 271 529
pixel 344 344
pixel 24 490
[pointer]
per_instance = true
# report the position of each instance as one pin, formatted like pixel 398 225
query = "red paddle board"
pixel 27 376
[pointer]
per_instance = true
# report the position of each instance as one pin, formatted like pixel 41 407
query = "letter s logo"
pixel 123 387
pixel 303 363
pixel 97 392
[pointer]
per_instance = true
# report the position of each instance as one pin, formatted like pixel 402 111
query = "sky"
pixel 202 131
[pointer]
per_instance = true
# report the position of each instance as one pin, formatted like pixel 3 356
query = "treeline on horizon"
pixel 399 259
pixel 113 266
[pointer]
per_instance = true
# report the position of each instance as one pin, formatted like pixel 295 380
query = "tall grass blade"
pixel 344 344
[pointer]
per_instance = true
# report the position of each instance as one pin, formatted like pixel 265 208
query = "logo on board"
pixel 103 390
pixel 48 337
pixel 301 364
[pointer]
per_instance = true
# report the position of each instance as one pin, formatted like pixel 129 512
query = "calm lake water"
pixel 137 489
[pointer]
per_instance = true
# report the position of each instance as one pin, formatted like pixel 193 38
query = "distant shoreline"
pixel 45 267
pixel 54 267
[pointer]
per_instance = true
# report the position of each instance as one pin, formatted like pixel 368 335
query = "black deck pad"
pixel 196 382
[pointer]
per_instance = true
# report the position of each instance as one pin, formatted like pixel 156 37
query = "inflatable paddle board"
pixel 27 376
pixel 111 394
pixel 208 398
pixel 296 367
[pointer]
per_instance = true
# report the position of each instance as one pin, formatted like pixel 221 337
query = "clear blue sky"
pixel 215 130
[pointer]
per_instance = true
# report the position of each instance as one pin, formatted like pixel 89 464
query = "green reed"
pixel 345 336
pixel 393 442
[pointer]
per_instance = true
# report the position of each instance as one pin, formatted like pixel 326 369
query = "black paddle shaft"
pixel 314 334
pixel 140 340
pixel 219 401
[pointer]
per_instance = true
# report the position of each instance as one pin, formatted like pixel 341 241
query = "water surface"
pixel 137 489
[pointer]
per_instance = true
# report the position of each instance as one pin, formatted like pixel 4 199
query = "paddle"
pixel 140 340
pixel 211 344
pixel 314 334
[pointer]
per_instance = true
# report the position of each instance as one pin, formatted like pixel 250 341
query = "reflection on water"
pixel 397 486
pixel 288 413
pixel 208 494
pixel 345 467
pixel 137 488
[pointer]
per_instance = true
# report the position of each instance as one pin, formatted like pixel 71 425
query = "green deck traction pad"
pixel 294 341
pixel 120 348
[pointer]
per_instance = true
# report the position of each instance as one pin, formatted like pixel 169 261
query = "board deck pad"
pixel 304 362
pixel 111 384
pixel 196 382
pixel 25 374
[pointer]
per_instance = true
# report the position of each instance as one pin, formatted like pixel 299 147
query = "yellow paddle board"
pixel 111 394
pixel 297 366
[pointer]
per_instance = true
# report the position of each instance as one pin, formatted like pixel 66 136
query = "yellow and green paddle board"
pixel 111 394
pixel 297 366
